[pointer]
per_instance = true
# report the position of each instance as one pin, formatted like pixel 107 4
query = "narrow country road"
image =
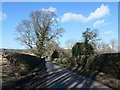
pixel 55 76
pixel 59 77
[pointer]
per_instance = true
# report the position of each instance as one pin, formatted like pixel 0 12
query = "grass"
pixel 108 81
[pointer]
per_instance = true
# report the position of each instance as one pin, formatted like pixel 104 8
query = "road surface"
pixel 59 77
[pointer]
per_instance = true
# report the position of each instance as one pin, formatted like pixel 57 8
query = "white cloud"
pixel 100 12
pixel 72 17
pixel 98 23
pixel 52 9
pixel 108 32
pixel 3 16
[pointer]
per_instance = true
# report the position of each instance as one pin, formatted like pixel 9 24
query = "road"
pixel 56 77
pixel 59 77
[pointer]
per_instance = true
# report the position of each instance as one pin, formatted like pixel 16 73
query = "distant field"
pixel 0 57
pixel 0 53
pixel 15 50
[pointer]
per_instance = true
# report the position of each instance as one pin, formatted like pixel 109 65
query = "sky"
pixel 74 17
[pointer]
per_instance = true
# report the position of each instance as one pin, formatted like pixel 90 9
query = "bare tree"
pixel 114 45
pixel 91 37
pixel 41 27
pixel 70 43
pixel 110 47
pixel 105 48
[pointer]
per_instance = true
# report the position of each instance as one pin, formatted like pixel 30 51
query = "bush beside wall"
pixel 24 63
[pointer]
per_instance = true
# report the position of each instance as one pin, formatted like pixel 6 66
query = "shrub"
pixel 106 63
pixel 24 63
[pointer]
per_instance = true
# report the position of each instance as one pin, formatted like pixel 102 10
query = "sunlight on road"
pixel 51 67
pixel 59 77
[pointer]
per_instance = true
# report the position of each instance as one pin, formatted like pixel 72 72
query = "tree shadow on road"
pixel 58 78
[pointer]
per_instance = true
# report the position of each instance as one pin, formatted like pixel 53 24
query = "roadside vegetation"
pixel 88 61
pixel 20 67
